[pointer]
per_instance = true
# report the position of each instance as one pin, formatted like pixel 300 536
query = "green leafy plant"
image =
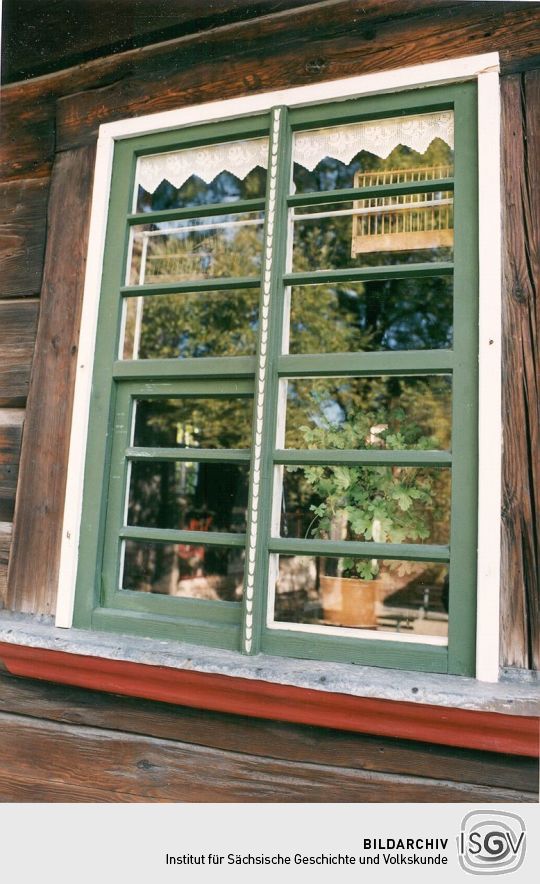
pixel 358 502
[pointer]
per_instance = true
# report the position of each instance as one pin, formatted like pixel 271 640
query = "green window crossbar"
pixel 144 447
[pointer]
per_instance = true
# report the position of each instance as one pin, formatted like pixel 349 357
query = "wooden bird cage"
pixel 406 222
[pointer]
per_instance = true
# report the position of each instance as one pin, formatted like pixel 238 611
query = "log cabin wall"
pixel 55 738
pixel 50 125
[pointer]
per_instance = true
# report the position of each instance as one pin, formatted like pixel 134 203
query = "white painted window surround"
pixel 483 68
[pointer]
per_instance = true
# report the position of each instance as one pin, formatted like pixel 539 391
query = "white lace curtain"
pixel 237 157
pixel 379 137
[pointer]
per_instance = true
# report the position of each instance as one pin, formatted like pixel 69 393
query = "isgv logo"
pixel 491 843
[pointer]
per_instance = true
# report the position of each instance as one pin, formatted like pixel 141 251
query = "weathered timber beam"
pixel 33 567
pixel 175 76
pixel 520 578
pixel 270 739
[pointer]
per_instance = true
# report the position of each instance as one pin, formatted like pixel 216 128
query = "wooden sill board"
pixel 472 729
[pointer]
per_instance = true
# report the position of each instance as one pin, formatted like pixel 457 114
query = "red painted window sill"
pixel 472 729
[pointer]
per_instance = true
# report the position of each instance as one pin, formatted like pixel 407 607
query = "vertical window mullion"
pixel 266 384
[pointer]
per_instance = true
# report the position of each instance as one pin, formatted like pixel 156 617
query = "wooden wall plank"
pixel 23 215
pixel 324 41
pixel 35 39
pixel 33 568
pixel 520 587
pixel 265 738
pixel 28 143
pixel 5 545
pixel 18 324
pixel 11 424
pixel 63 757
pixel 276 56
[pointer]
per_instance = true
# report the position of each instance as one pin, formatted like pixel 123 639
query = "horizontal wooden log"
pixel 520 581
pixel 35 39
pixel 326 40
pixel 277 56
pixel 28 142
pixel 33 567
pixel 443 725
pixel 76 761
pixel 5 545
pixel 18 323
pixel 11 424
pixel 23 216
pixel 287 742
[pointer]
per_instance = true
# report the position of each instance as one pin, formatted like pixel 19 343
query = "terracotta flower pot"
pixel 350 601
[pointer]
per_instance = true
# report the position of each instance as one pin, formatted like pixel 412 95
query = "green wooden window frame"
pixel 99 604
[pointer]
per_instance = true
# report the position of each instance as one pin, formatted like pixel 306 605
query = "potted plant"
pixel 364 503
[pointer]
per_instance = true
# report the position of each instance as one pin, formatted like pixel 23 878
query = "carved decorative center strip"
pixel 261 384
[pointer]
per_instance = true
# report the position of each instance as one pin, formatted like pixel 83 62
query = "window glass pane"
pixel 193 422
pixel 214 573
pixel 412 148
pixel 404 314
pixel 387 504
pixel 374 412
pixel 383 231
pixel 188 496
pixel 195 324
pixel 199 176
pixel 200 248
pixel 405 598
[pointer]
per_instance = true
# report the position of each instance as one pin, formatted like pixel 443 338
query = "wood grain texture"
pixel 6 529
pixel 11 424
pixel 520 583
pixel 326 41
pixel 45 37
pixel 443 725
pixel 33 568
pixel 28 143
pixel 42 758
pixel 18 324
pixel 264 738
pixel 23 215
pixel 273 58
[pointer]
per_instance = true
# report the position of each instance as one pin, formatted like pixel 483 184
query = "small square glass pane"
pixel 191 325
pixel 188 496
pixel 406 599
pixel 193 422
pixel 384 504
pixel 372 412
pixel 195 249
pixel 184 570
